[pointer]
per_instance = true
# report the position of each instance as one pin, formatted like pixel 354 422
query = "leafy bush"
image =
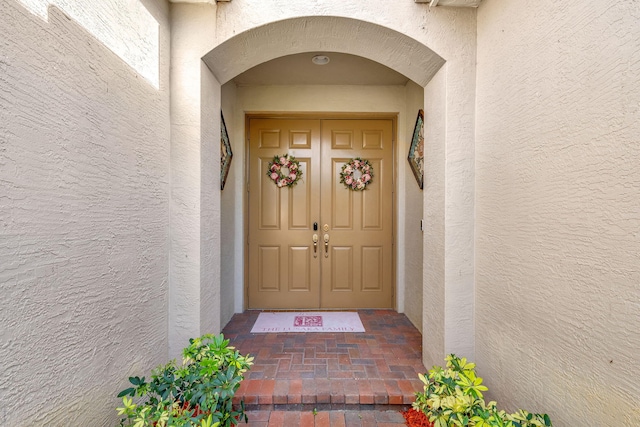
pixel 198 393
pixel 453 397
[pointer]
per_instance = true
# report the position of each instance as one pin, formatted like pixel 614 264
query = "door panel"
pixel 355 268
pixel 268 266
pixel 281 219
pixel 299 269
pixel 361 221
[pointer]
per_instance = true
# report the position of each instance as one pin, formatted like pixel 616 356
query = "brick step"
pixel 326 394
pixel 319 418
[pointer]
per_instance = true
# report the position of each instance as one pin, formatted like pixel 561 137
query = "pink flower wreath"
pixel 284 170
pixel 348 174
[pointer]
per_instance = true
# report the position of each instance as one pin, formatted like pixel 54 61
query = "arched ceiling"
pixel 325 34
pixel 342 69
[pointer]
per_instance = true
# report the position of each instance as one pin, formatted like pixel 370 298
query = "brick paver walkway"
pixel 350 379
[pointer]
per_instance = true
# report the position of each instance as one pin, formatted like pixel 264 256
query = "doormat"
pixel 324 321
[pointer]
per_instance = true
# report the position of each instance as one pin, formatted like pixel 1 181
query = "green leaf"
pixel 128 392
pixel 136 380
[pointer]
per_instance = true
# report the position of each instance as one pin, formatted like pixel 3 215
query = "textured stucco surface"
pixel 210 241
pixel 194 306
pixel 410 254
pixel 433 284
pixel 324 33
pixel 459 158
pixel 231 208
pixel 558 208
pixel 84 215
pixel 125 27
pixel 448 298
pixel 100 212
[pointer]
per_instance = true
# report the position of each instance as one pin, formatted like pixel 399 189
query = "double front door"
pixel 319 244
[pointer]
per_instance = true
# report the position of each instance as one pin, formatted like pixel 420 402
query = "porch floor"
pixel 348 379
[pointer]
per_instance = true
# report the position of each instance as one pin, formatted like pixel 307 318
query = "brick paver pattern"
pixel 349 379
pixel 335 418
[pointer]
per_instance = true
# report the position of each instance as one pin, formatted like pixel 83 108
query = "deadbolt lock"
pixel 325 227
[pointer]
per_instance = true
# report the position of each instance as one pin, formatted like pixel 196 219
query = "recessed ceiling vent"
pixel 320 59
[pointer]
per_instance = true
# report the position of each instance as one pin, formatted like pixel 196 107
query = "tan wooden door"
pixel 358 273
pixel 354 268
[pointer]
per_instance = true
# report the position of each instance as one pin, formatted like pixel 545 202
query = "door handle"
pixel 315 246
pixel 326 245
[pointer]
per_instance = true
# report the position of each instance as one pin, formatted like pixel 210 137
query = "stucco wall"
pixel 210 242
pixel 231 206
pixel 84 211
pixel 409 247
pixel 558 208
pixel 194 292
pixel 433 284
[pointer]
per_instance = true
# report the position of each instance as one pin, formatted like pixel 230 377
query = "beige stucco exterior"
pixel 364 35
pixel 84 210
pixel 117 244
pixel 278 34
pixel 558 208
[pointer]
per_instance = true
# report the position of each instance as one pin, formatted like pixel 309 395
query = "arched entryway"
pixel 324 33
pixel 197 226
pixel 335 34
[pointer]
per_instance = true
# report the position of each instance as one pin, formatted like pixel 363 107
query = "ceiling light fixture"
pixel 320 59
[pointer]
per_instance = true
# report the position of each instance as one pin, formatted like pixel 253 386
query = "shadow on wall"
pixel 129 31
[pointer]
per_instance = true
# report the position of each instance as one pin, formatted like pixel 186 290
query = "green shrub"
pixel 198 393
pixel 453 397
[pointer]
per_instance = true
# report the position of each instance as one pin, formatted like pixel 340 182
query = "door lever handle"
pixel 326 245
pixel 315 246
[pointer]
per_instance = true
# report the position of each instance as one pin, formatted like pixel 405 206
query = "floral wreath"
pixel 291 167
pixel 365 170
